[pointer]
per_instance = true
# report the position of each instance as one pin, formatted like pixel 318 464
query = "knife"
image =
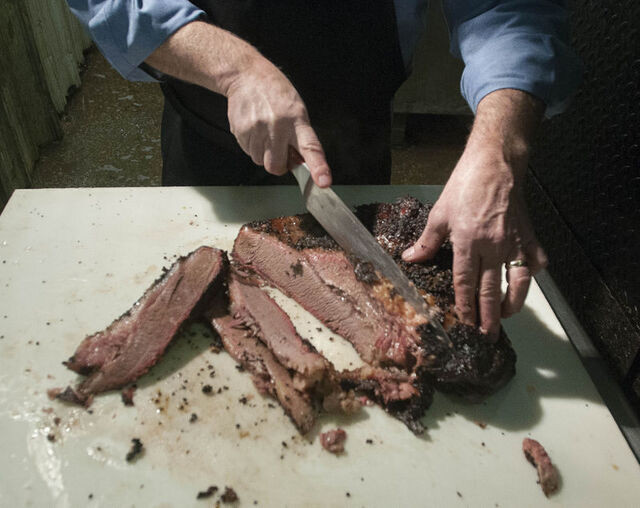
pixel 345 228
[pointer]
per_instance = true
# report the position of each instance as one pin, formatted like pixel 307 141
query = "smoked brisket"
pixel 260 336
pixel 297 256
pixel 134 342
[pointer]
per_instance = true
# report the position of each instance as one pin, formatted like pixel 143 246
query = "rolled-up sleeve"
pixel 521 44
pixel 128 31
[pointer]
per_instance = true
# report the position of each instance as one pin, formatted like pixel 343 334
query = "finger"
pixel 256 150
pixel 275 158
pixel 308 145
pixel 518 279
pixel 536 257
pixel 428 244
pixel 489 298
pixel 465 281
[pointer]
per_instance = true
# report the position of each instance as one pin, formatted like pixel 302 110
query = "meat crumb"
pixel 547 473
pixel 333 440
pixel 127 395
pixel 207 493
pixel 229 495
pixel 135 451
pixel 482 425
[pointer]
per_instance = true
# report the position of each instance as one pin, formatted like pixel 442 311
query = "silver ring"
pixel 516 263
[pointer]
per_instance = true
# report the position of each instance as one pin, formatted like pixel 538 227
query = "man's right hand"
pixel 266 113
pixel 267 116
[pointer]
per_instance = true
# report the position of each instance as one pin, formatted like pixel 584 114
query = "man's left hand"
pixel 482 211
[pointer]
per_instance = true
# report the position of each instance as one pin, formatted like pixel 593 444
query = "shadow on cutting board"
pixel 547 367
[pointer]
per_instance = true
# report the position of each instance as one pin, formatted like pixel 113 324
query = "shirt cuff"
pixel 538 64
pixel 127 34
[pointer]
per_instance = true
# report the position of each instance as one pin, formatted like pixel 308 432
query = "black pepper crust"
pixel 410 411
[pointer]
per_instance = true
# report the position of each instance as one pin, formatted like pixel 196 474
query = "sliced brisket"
pixel 261 337
pixel 297 256
pixel 259 312
pixel 133 343
pixel 269 376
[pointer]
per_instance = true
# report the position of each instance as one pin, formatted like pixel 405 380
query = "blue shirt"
pixel 521 44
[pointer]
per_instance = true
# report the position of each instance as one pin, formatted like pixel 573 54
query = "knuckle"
pixel 463 281
pixel 298 112
pixel 489 292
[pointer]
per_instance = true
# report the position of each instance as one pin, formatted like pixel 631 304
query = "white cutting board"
pixel 73 260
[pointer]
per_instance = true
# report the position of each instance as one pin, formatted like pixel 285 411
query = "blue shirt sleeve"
pixel 128 31
pixel 521 44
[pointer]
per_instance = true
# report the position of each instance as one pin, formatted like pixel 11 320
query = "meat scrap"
pixel 547 473
pixel 229 495
pixel 136 449
pixel 207 493
pixel 133 343
pixel 333 440
pixel 127 395
pixel 70 396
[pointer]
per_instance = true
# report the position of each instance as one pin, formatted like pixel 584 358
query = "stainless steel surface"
pixel 593 363
pixel 345 228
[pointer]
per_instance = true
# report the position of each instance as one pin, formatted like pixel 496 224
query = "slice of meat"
pixel 261 337
pixel 296 255
pixel 259 312
pixel 333 440
pixel 134 342
pixel 547 473
pixel 269 376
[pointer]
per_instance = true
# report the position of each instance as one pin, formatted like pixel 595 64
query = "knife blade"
pixel 348 232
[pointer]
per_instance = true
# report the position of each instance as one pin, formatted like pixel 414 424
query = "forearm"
pixel 266 114
pixel 504 127
pixel 206 55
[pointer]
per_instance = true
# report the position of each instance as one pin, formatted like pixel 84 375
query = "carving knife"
pixel 347 230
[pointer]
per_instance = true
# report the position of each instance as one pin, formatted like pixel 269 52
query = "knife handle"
pixel 294 158
pixel 299 169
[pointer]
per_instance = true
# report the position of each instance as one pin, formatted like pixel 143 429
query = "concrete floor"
pixel 112 138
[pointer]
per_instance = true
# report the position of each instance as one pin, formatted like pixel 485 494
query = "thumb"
pixel 308 145
pixel 427 245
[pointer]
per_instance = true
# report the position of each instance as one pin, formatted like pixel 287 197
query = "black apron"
pixel 344 59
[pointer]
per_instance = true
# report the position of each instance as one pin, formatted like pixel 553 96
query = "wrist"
pixel 512 150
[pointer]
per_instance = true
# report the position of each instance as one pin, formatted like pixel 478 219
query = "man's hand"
pixel 482 211
pixel 267 116
pixel 266 113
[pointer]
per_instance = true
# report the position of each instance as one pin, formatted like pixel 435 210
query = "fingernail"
pixel 324 180
pixel 408 254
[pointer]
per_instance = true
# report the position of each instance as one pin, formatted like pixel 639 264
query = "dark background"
pixel 584 187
